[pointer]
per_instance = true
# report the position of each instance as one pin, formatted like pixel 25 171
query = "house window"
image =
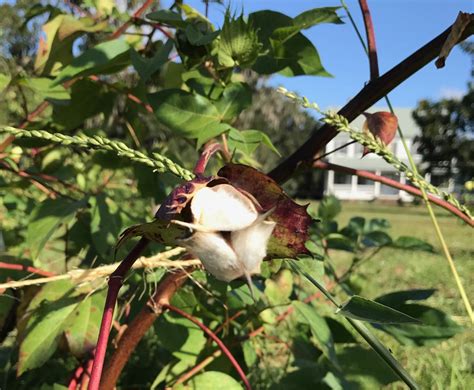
pixel 342 178
pixel 362 181
pixel 386 190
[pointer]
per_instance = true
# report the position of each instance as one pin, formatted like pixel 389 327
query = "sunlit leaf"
pixel 107 57
pixel 211 380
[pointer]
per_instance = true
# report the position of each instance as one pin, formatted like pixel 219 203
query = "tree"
pixel 446 142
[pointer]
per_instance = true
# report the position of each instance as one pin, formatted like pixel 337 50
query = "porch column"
pixel 330 182
pixel 353 185
pixel 377 185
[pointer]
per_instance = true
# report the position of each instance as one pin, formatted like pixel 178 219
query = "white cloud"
pixel 451 93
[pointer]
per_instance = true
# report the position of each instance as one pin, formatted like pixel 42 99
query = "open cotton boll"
pixel 215 253
pixel 250 244
pixel 222 208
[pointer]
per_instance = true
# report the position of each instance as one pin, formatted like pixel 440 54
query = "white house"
pixel 351 187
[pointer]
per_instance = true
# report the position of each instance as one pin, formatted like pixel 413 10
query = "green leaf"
pixel 106 224
pixel 82 328
pixel 319 328
pixel 250 355
pixel 186 114
pixel 435 327
pixel 167 17
pixel 306 20
pixel 405 242
pixel 45 326
pixel 211 380
pixel 107 57
pixel 236 98
pixel 146 67
pixel 46 218
pixel 4 81
pixel 247 141
pixel 312 267
pixel 211 132
pixel 364 369
pixel 61 32
pixel 197 38
pixel 291 57
pixel 394 299
pixel 181 337
pixel 46 89
pixel 278 289
pixel 376 239
pixel 340 242
pixel 366 310
pixel 87 99
pixel 329 208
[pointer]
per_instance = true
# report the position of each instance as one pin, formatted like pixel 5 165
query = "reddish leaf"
pixel 292 220
pixel 381 124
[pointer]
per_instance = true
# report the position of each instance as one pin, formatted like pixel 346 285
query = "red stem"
pixel 372 48
pixel 115 282
pixel 207 153
pixel 81 374
pixel 393 183
pixel 139 326
pixel 26 268
pixel 218 341
pixel 137 14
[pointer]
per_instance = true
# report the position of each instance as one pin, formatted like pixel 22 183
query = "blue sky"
pixel 401 27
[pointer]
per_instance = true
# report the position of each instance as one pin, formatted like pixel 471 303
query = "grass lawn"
pixel 449 364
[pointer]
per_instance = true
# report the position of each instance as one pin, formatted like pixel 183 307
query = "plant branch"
pixel 115 282
pixel 198 367
pixel 216 339
pixel 139 326
pixel 369 29
pixel 370 94
pixel 25 268
pixel 139 12
pixel 395 184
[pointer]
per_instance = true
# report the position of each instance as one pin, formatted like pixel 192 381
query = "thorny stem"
pixel 217 340
pixel 444 246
